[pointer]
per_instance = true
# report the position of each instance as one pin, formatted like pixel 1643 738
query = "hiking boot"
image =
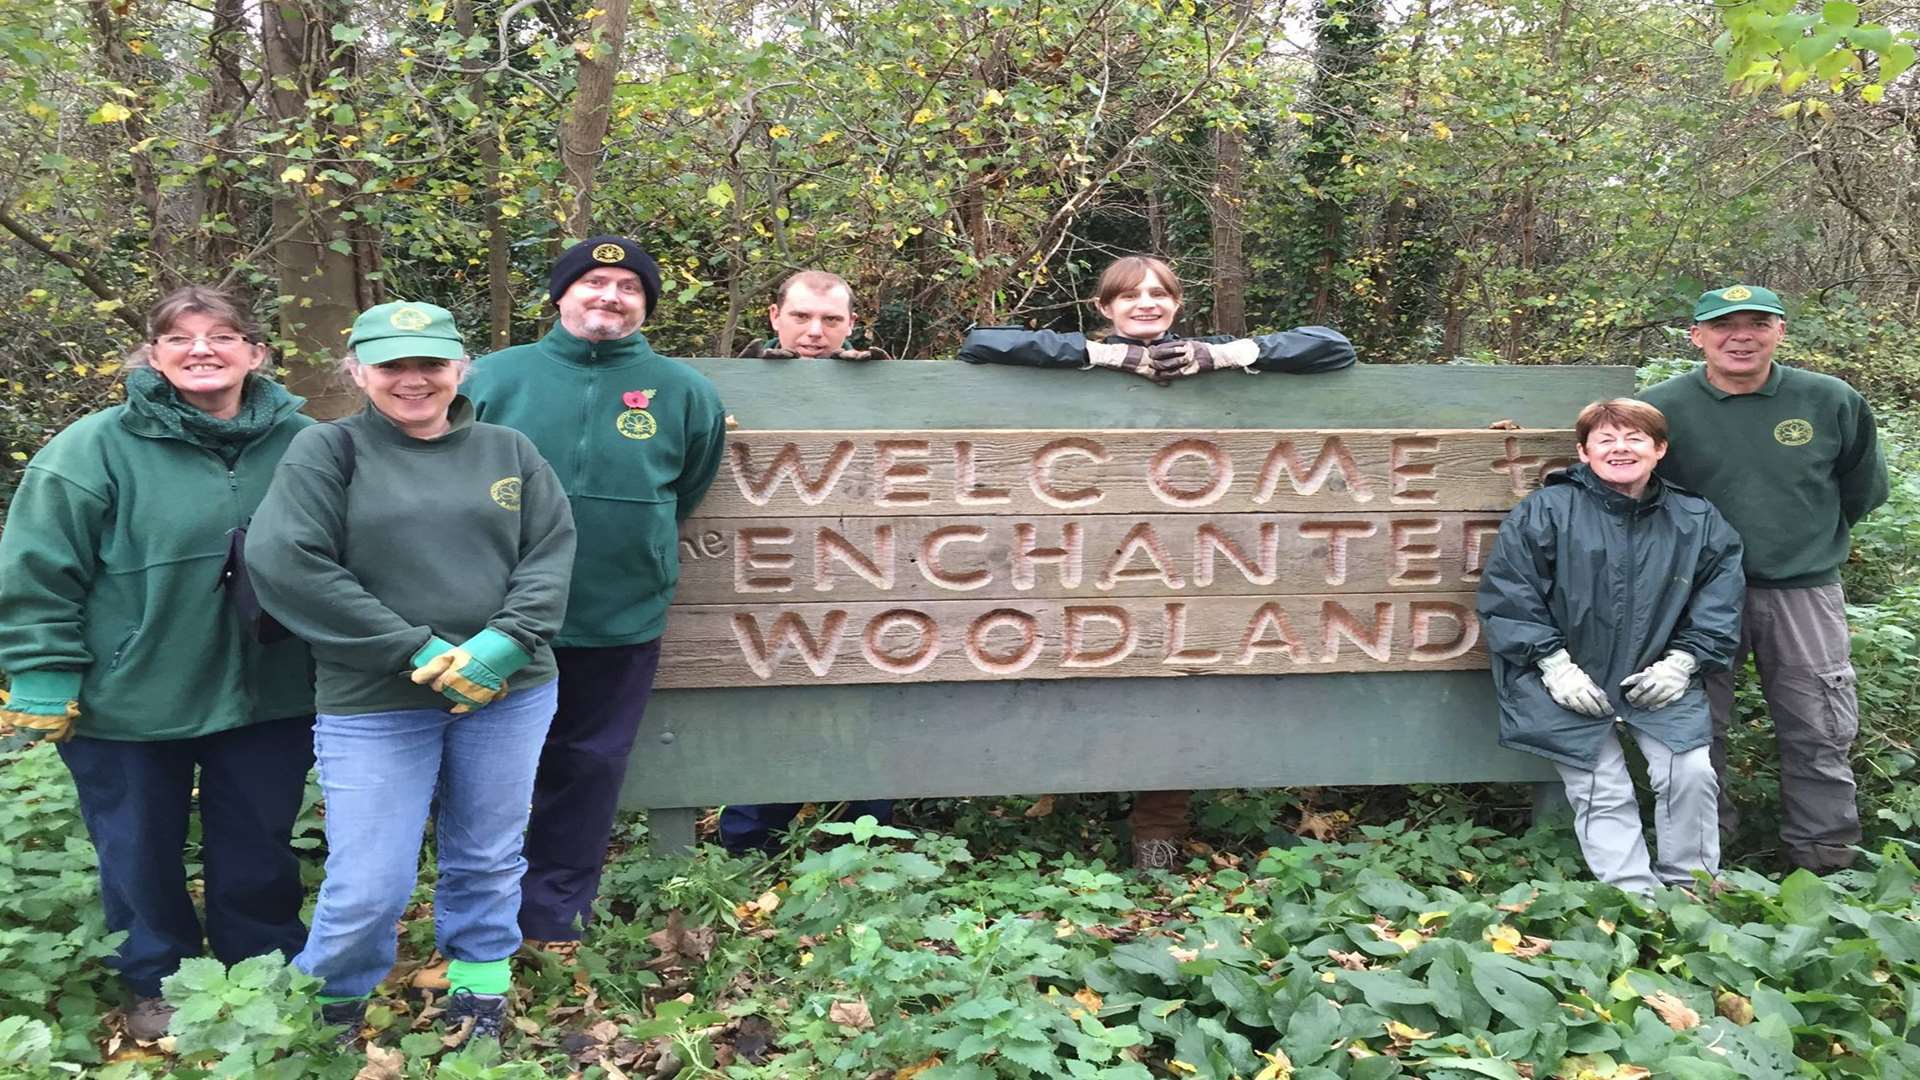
pixel 433 977
pixel 348 1016
pixel 489 1012
pixel 148 1017
pixel 1156 854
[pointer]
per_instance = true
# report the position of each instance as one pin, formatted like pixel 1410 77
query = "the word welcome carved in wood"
pixel 888 556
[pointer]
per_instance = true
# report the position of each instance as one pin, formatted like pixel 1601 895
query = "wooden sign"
pixel 959 556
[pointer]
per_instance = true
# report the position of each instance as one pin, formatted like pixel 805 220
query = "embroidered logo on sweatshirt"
pixel 637 422
pixel 1793 432
pixel 506 492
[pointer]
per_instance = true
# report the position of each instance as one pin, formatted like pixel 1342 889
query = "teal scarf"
pixel 153 397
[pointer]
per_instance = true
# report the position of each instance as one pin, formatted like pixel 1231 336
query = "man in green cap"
pixel 1792 460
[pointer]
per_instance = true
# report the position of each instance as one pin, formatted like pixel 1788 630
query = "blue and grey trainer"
pixel 489 1012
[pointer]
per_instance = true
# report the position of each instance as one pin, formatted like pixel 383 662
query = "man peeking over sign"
pixel 812 315
pixel 1140 296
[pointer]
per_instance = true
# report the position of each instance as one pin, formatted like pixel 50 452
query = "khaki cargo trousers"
pixel 1799 641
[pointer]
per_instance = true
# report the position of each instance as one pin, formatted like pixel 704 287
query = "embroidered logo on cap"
pixel 410 318
pixel 1793 433
pixel 609 253
pixel 506 492
pixel 1738 292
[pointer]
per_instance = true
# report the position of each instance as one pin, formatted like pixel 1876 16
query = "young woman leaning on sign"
pixel 1608 593
pixel 1140 297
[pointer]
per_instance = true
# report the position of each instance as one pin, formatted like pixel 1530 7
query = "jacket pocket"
pixel 1842 704
pixel 120 650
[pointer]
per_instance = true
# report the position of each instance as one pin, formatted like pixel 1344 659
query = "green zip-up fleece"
pixel 439 536
pixel 110 568
pixel 1792 466
pixel 633 471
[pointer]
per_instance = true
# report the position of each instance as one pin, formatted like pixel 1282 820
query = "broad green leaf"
pixel 1511 993
pixel 1312 1031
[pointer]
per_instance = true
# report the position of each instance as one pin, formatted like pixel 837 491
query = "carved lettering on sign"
pixel 933 555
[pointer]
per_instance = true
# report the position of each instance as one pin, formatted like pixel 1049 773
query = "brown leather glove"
pixel 1122 357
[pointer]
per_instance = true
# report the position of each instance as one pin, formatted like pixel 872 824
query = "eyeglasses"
pixel 183 342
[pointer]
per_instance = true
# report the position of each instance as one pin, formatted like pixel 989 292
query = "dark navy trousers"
pixel 136 798
pixel 603 695
pixel 751 826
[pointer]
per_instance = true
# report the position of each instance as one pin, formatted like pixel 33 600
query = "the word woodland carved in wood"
pixel 888 556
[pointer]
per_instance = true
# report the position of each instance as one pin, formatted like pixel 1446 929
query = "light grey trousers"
pixel 1606 815
pixel 1799 641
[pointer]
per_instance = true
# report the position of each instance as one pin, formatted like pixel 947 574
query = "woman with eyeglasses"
pixel 121 646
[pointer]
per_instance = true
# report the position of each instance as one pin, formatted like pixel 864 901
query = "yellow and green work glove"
pixel 470 674
pixel 42 705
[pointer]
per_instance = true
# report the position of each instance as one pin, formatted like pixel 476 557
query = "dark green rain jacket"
pixel 1617 583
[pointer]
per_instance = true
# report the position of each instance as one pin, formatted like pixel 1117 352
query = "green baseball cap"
pixel 400 331
pixel 1732 298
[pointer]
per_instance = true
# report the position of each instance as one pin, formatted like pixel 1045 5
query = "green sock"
pixel 492 977
pixel 334 999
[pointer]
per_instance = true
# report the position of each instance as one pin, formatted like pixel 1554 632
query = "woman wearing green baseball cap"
pixel 123 648
pixel 426 558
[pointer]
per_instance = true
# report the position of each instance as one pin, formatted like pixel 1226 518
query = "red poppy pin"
pixel 636 399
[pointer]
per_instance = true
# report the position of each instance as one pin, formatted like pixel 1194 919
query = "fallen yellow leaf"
pixel 1677 1013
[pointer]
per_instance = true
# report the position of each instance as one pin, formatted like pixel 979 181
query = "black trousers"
pixel 603 695
pixel 136 797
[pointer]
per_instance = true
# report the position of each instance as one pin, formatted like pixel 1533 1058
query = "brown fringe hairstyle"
pixel 1621 412
pixel 1130 271
pixel 198 300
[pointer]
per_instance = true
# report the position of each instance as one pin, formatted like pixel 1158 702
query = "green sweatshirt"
pixel 1791 465
pixel 109 577
pixel 632 470
pixel 438 536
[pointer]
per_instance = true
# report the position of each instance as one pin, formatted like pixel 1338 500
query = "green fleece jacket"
pixel 443 537
pixel 636 440
pixel 109 577
pixel 1791 465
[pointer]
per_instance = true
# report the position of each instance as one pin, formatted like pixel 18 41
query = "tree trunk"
pixel 321 272
pixel 117 59
pixel 1228 202
pixel 585 130
pixel 218 211
pixel 499 261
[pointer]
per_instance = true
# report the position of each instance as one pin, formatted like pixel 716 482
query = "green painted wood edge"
pixel 947 394
pixel 795 744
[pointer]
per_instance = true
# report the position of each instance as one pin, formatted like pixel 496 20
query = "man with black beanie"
pixel 636 439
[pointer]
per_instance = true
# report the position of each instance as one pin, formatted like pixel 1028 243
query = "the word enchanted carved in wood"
pixel 956 556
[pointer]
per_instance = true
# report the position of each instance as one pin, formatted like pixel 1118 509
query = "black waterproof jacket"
pixel 1616 582
pixel 1304 350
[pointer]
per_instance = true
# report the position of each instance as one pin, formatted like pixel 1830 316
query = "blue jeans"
pixel 380 773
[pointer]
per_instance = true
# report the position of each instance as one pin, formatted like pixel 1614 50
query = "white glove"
pixel 1122 357
pixel 1662 683
pixel 1571 688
